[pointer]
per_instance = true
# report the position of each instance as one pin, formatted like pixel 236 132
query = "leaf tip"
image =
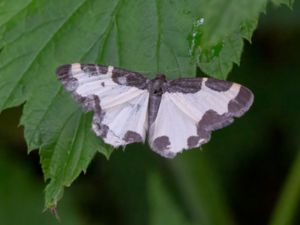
pixel 53 210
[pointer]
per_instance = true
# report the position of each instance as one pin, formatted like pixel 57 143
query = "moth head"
pixel 157 84
pixel 160 77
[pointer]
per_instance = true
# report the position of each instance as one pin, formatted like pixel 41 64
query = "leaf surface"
pixel 216 39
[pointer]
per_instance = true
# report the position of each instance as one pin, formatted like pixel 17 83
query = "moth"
pixel 175 115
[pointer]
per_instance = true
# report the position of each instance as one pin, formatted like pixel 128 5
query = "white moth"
pixel 176 115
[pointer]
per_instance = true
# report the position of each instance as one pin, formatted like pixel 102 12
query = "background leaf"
pixel 286 207
pixel 19 184
pixel 161 201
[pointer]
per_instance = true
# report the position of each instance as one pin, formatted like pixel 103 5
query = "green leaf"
pixel 289 3
pixel 9 9
pixel 148 36
pixel 219 59
pixel 63 160
pixel 222 18
pixel 163 209
pixel 216 39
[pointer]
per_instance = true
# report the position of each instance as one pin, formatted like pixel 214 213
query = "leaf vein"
pixel 39 52
pixel 158 37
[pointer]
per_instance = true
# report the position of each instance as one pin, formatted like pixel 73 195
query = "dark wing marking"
pixel 119 76
pixel 183 85
pixel 130 78
pixel 193 85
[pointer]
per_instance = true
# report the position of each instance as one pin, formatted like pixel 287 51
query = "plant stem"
pixel 288 202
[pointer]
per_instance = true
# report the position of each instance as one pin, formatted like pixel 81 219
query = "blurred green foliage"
pixel 247 174
pixel 21 194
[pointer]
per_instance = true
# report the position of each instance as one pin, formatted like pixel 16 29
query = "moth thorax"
pixel 157 84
